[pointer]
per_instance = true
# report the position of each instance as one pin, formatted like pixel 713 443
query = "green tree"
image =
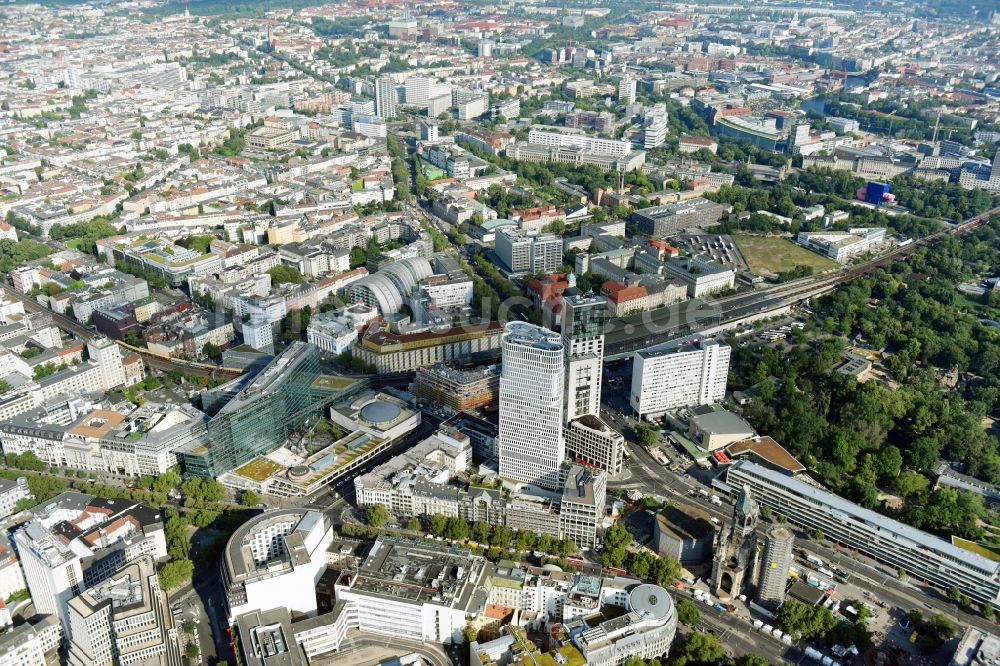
pixel 438 524
pixel 212 351
pixel 698 648
pixel 413 524
pixel 752 660
pixel 282 274
pixel 176 573
pixel 801 619
pixel 250 498
pixel 376 515
pixel 646 435
pixel 687 612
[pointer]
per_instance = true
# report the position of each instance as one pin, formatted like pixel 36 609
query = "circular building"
pixel 685 533
pixel 381 414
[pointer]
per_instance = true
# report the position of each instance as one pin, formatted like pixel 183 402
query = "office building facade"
pixel 261 414
pixel 583 320
pixel 920 554
pixel 531 405
pixel 679 375
pixel 124 620
pixel 521 253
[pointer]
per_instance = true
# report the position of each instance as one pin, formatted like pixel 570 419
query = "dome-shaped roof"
pixel 380 412
pixel 651 602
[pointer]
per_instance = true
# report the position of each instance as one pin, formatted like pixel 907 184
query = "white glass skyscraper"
pixel 583 318
pixel 531 405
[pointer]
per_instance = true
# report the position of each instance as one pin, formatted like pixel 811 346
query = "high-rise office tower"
pixel 385 97
pixel 531 405
pixel 583 318
pixel 589 440
pixel 774 566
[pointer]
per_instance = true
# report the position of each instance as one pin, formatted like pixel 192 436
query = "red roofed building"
pixel 547 294
pixel 663 249
pixel 623 299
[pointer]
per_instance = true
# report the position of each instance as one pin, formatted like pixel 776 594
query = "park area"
pixel 768 255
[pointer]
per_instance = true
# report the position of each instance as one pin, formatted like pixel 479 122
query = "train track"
pixel 824 282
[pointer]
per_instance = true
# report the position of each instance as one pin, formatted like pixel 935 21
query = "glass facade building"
pixel 261 416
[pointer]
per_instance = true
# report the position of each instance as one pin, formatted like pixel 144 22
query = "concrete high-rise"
pixel 108 356
pixel 530 440
pixel 774 565
pixel 385 97
pixel 583 318
pixel 626 90
pixel 681 374
pixel 124 620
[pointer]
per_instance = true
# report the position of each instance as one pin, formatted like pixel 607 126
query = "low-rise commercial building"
pixel 842 246
pixel 673 218
pixel 400 352
pixel 921 555
pixel 458 389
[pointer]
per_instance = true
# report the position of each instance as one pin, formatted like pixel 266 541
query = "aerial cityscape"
pixel 530 333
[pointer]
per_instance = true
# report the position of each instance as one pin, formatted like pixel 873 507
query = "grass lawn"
pixel 767 255
pixel 259 469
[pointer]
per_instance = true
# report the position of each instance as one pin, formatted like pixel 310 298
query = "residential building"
pixel 269 137
pixel 626 90
pixel 125 619
pixel 335 332
pixel 386 99
pixel 11 576
pixel 33 643
pixel 776 561
pixel 680 374
pixel 531 442
pixel 923 556
pixel 473 108
pixel 258 332
pixel 12 491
